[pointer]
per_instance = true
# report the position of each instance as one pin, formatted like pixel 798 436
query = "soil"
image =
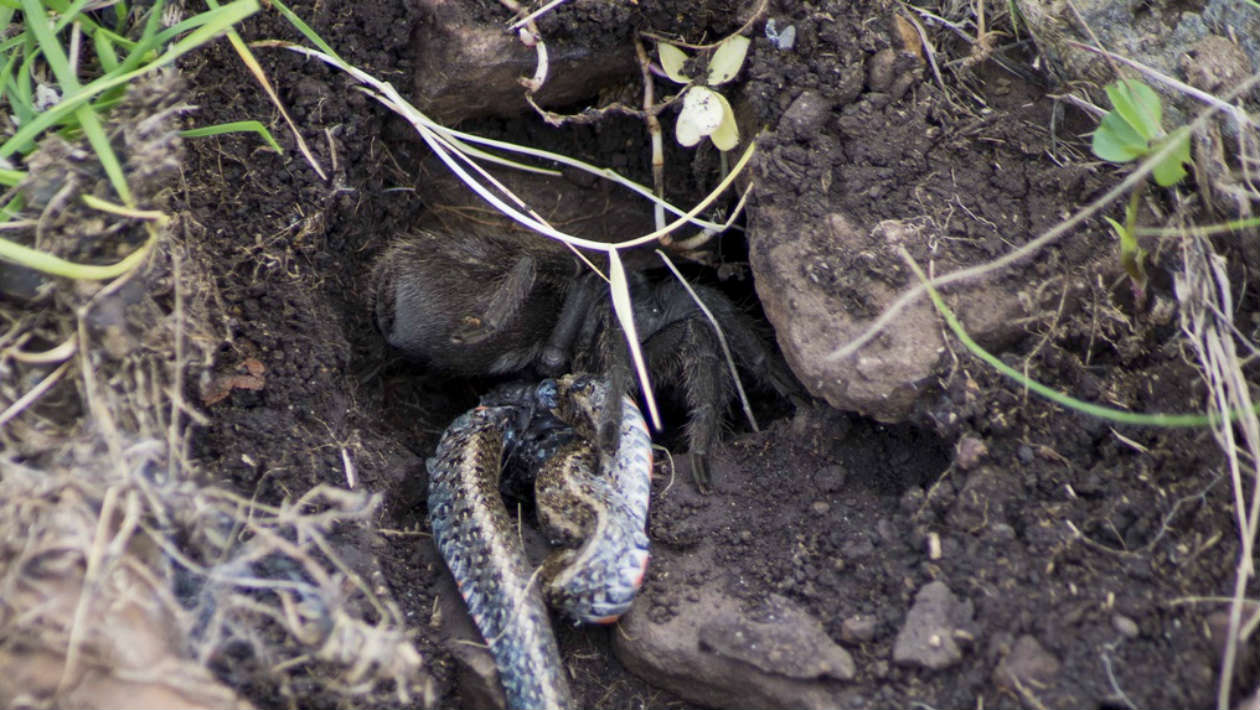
pixel 1087 537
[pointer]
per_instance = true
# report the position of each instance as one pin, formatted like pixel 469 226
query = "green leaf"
pixel 1170 170
pixel 727 60
pixel 1138 105
pixel 672 61
pixel 1116 141
pixel 726 135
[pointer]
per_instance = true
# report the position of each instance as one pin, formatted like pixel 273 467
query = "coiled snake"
pixel 594 504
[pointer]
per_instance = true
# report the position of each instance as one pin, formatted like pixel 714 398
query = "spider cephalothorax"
pixel 493 304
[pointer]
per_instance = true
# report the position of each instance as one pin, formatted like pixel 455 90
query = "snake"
pixel 592 504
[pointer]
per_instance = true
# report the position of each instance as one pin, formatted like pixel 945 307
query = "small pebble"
pixel 1002 532
pixel 820 507
pixel 782 39
pixel 1126 626
pixel 859 628
pixel 969 452
pixel 1025 453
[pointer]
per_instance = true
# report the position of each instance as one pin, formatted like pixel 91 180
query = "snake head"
pixel 584 401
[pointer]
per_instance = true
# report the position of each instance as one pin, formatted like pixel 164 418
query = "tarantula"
pixel 490 304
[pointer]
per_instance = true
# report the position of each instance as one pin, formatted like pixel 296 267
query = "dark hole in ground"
pixel 847 457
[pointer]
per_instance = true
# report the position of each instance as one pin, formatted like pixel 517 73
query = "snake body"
pixel 592 503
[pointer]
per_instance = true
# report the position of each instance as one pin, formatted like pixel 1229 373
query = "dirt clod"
pixel 1028 664
pixel 927 638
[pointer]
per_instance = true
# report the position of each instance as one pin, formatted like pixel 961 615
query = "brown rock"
pixel 784 641
pixel 858 629
pixel 715 654
pixel 806 116
pixel 816 308
pixel 927 639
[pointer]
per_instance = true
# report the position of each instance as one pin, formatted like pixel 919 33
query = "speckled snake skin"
pixel 596 506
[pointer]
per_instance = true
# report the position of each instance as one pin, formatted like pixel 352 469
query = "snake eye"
pixel 581 383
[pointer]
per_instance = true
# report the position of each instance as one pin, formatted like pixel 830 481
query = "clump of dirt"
pixel 129 583
pixel 1050 555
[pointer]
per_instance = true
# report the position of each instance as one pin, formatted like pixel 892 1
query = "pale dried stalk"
pixel 1207 306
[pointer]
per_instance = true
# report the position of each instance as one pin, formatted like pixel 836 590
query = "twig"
pixel 654 131
pixel 530 37
pixel 34 393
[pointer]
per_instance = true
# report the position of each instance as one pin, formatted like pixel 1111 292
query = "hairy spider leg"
pixel 506 300
pixel 574 314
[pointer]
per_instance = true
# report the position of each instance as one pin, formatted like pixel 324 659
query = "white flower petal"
pixel 703 108
pixel 685 133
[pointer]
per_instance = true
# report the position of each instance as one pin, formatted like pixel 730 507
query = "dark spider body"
pixel 487 305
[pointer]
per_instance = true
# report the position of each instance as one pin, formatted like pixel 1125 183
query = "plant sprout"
pixel 1133 129
pixel 705 112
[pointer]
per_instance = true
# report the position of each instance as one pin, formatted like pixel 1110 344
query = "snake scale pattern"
pixel 594 505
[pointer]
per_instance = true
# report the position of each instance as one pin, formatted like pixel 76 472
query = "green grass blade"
pixel 304 28
pixel 10 177
pixel 67 14
pixel 105 53
pixel 39 24
pixel 7 82
pixel 235 127
pixel 55 265
pixel 1211 230
pixel 150 37
pixel 11 210
pixel 215 23
pixel 94 131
